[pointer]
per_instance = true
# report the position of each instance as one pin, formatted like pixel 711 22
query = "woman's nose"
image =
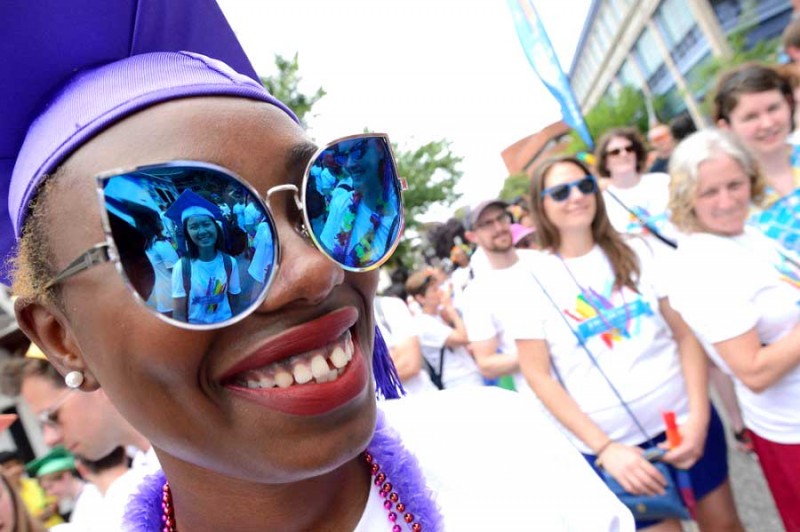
pixel 304 275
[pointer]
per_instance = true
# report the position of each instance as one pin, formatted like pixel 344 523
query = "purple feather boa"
pixel 400 466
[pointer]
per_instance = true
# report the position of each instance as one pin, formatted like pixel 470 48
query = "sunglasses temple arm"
pixel 94 256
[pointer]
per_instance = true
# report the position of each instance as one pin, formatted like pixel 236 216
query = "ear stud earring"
pixel 73 379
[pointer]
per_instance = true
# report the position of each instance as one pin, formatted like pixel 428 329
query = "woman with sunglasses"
pixel 755 103
pixel 600 330
pixel 636 202
pixel 740 291
pixel 266 420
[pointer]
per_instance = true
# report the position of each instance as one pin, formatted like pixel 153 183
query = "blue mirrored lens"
pixel 353 202
pixel 194 242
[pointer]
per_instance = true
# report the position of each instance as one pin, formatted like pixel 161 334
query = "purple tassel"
pixel 387 382
pixel 144 511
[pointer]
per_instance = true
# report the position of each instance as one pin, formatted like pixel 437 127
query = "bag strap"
pixel 591 357
pixel 186 270
pixel 647 225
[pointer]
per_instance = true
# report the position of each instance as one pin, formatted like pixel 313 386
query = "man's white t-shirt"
pixel 493 463
pixel 396 324
pixel 729 285
pixel 624 331
pixel 649 200
pixel 209 289
pixel 458 367
pixel 493 299
pixel 264 254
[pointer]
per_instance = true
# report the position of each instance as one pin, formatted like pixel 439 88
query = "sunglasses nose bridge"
pixel 285 188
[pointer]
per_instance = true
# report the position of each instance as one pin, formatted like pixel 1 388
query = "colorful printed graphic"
pixel 215 292
pixel 635 225
pixel 596 314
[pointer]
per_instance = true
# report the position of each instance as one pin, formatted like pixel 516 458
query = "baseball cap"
pixel 476 210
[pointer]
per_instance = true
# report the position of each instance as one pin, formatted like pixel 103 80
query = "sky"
pixel 419 70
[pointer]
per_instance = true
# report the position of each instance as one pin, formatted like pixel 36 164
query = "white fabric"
pixel 117 496
pixel 252 215
pixel 396 324
pixel 146 462
pixel 493 299
pixel 163 258
pixel 649 199
pixel 459 368
pixel 195 210
pixel 459 280
pixel 264 254
pixel 495 463
pixel 728 286
pixel 88 504
pixel 209 289
pixel 643 364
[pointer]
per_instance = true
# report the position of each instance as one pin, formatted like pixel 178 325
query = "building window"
pixel 648 52
pixel 675 19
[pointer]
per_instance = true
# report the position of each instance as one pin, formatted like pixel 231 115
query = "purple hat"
pixel 72 69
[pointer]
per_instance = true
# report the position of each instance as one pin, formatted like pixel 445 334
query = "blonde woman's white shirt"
pixel 726 286
pixel 623 330
pixel 493 299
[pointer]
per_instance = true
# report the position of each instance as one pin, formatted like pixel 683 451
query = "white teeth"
pixel 339 358
pixel 319 367
pixel 333 374
pixel 302 372
pixel 266 382
pixel 283 378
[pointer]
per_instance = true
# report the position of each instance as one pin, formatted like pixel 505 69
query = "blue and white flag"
pixel 542 58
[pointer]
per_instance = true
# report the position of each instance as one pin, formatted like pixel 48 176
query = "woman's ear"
pixel 48 328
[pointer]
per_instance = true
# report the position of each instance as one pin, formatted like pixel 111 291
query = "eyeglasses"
pixel 199 262
pixel 49 416
pixel 586 185
pixel 504 218
pixel 617 151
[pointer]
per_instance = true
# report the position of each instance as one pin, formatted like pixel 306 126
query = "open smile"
pixel 309 370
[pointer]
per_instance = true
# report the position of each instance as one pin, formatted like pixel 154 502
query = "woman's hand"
pixel 690 450
pixel 626 464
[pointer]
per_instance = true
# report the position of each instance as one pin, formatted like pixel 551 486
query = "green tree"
pixel 432 173
pixel 625 108
pixel 285 87
pixel 515 185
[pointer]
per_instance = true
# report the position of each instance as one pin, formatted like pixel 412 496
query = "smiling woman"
pixel 271 403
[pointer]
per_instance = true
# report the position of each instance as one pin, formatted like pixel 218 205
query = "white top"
pixel 728 286
pixel 649 200
pixel 497 464
pixel 623 330
pixel 163 257
pixel 459 368
pixel 493 299
pixel 87 505
pixel 209 289
pixel 396 324
pixel 264 254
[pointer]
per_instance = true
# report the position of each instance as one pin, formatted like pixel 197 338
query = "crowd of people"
pixel 241 363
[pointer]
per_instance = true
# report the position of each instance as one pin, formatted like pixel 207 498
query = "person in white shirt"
pixel 636 202
pixel 397 328
pixel 442 333
pixel 740 292
pixel 493 297
pixel 607 354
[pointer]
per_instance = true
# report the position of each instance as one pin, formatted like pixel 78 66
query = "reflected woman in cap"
pixel 267 419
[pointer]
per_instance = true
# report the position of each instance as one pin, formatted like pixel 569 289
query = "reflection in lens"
pixel 195 243
pixel 353 200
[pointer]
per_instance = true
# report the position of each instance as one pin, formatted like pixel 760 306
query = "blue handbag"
pixel 643 507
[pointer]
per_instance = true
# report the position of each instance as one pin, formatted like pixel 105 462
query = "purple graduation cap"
pixel 72 68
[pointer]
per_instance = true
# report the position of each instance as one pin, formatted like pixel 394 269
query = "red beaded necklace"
pixel 392 503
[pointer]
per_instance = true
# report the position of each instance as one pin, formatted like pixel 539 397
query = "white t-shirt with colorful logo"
pixel 726 286
pixel 622 329
pixel 210 286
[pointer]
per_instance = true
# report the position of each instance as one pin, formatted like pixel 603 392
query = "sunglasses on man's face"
pixel 617 151
pixel 199 262
pixel 586 185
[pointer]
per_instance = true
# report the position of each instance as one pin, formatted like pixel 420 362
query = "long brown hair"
pixel 623 260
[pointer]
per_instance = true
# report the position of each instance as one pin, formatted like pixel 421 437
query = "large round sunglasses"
pixel 198 246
